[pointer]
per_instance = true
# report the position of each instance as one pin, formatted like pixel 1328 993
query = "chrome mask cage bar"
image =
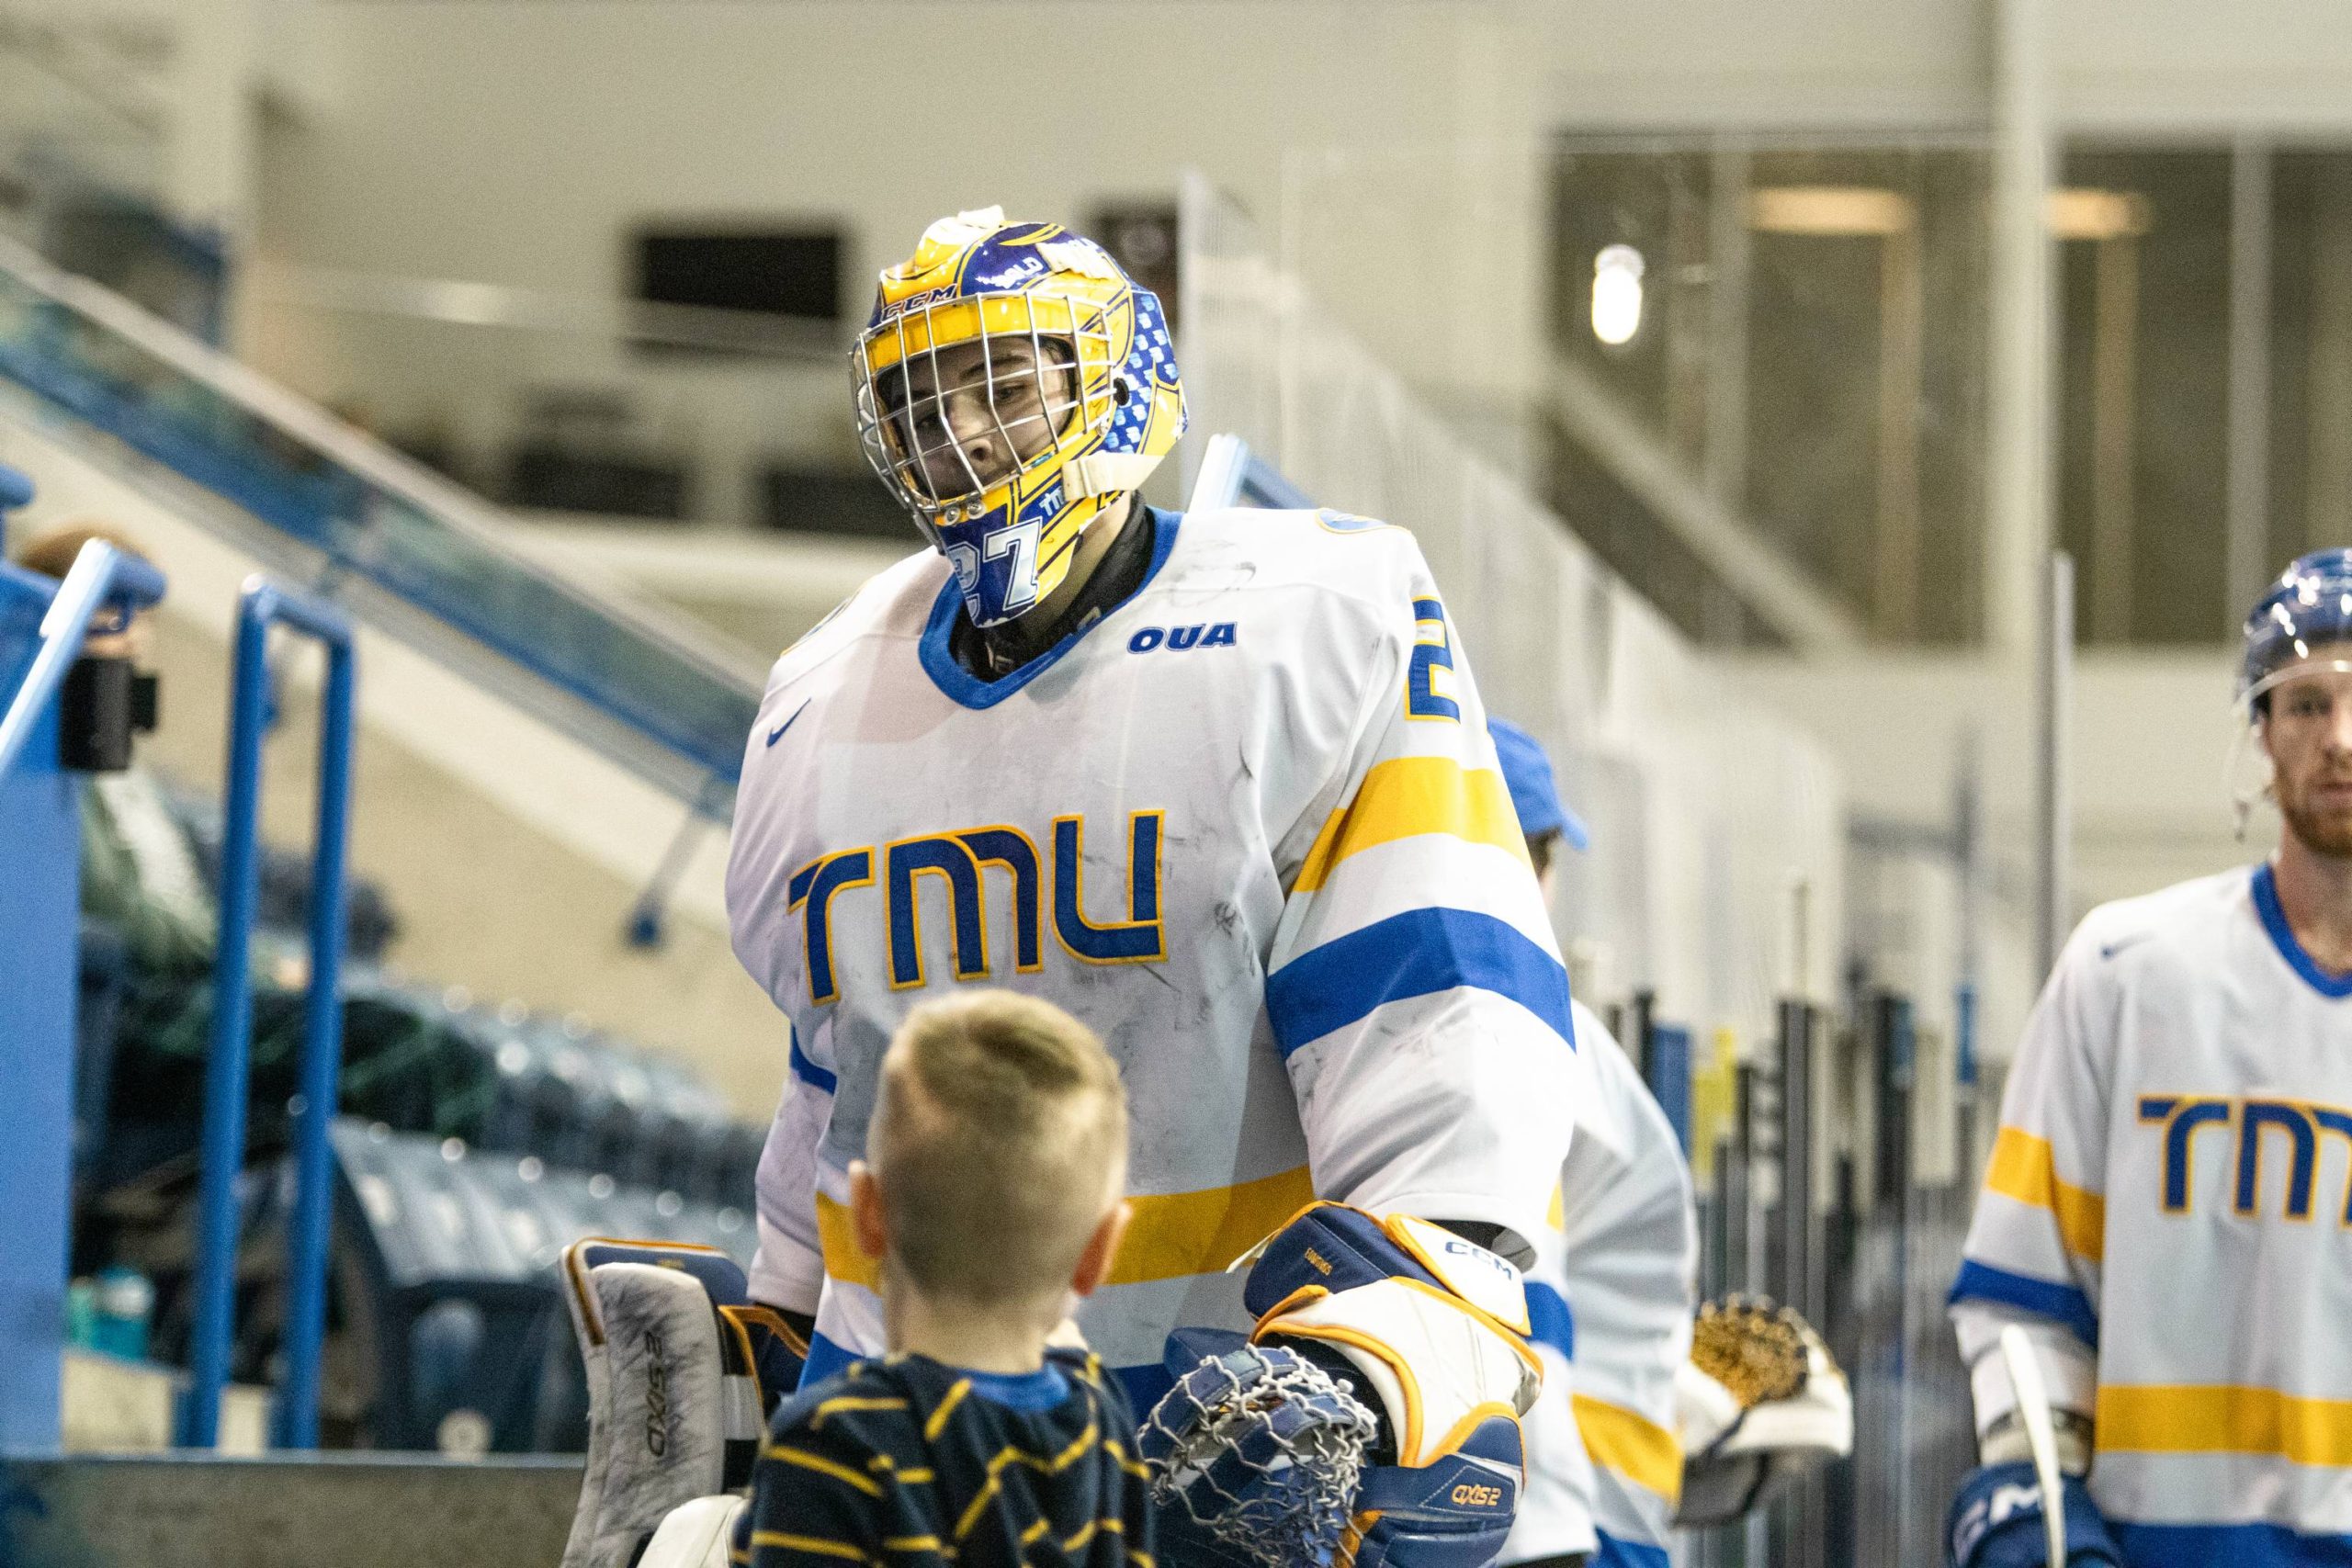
pixel 908 420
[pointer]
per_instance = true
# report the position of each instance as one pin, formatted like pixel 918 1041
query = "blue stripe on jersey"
pixel 2239 1546
pixel 2282 937
pixel 809 1072
pixel 825 1359
pixel 959 683
pixel 1615 1553
pixel 2061 1304
pixel 1417 953
pixel 1549 1320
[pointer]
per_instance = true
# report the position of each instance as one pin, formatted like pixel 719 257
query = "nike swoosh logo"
pixel 777 733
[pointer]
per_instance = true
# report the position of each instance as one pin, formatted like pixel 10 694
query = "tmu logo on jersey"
pixel 2288 1126
pixel 841 885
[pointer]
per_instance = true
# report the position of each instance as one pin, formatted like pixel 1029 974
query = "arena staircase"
pixel 107 393
pixel 408 553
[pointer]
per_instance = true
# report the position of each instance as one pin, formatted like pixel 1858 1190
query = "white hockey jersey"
pixel 1611 1297
pixel 1248 826
pixel 2169 1207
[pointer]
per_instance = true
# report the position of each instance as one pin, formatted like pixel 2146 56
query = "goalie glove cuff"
pixel 1433 1326
pixel 1996 1523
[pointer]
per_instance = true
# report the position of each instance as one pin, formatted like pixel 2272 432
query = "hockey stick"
pixel 2041 1435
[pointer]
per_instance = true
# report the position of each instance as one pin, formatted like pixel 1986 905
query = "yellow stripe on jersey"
pixel 1556 1216
pixel 2023 1169
pixel 1175 1234
pixel 851 1402
pixel 1406 796
pixel 822 1466
pixel 1169 1235
pixel 1632 1445
pixel 2158 1419
pixel 816 1545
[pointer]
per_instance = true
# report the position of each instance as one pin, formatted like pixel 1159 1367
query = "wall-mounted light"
pixel 1616 294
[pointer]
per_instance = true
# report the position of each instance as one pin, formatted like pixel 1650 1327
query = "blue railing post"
pixel 42 625
pixel 227 1069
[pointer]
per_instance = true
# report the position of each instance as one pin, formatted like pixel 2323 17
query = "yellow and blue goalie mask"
pixel 1011 383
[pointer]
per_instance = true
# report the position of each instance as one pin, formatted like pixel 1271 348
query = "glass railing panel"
pixel 362 521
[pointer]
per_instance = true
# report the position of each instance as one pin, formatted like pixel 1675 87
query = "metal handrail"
pixel 622 662
pixel 400 476
pixel 227 1067
pixel 101 578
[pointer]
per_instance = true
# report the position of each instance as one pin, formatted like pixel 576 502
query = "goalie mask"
pixel 1011 383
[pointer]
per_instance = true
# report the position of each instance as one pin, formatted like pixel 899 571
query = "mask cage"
pixel 1066 385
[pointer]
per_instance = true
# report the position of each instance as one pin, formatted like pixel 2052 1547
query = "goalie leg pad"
pixel 699 1534
pixel 682 1369
pixel 656 1438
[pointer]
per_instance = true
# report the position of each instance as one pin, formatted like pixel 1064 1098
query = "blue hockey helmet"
pixel 2309 607
pixel 1535 793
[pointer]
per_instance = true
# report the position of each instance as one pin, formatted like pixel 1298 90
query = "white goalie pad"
pixel 657 1418
pixel 699 1534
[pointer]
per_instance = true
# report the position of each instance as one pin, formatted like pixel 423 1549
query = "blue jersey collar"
pixel 1025 1392
pixel 2282 937
pixel 969 689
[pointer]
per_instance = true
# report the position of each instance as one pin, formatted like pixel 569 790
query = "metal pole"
pixel 2018 438
pixel 2249 417
pixel 228 1066
pixel 1728 253
pixel 228 1060
pixel 305 1251
pixel 2052 807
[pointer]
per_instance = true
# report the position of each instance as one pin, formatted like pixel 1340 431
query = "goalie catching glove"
pixel 1428 1330
pixel 1760 1402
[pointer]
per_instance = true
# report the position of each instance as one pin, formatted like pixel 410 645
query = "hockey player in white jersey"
pixel 1613 1285
pixel 1221 786
pixel 2165 1210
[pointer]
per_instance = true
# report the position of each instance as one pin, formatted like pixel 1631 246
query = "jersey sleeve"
pixel 789 1271
pixel 1414 987
pixel 2034 1246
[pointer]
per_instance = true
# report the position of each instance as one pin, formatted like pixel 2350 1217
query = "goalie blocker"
pixel 1429 1329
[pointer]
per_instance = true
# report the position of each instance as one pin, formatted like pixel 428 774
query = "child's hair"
pixel 999 1140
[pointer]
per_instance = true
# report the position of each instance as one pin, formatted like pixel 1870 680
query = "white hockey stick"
pixel 2041 1435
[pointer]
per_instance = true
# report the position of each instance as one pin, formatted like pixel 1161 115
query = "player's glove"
pixel 1996 1522
pixel 1432 1330
pixel 1760 1402
pixel 681 1368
